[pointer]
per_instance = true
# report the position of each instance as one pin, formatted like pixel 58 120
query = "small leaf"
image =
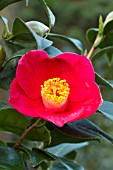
pixel 50 14
pixel 10 159
pixel 6 28
pixel 53 51
pixel 63 149
pixel 5 3
pixel 25 33
pixel 107 109
pixel 91 34
pixel 101 52
pixel 101 81
pixel 73 41
pixel 108 18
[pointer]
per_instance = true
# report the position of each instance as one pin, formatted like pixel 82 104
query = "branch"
pixel 16 146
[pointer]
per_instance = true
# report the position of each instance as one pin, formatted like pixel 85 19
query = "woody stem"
pixel 16 146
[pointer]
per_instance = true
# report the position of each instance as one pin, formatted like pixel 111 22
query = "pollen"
pixel 55 94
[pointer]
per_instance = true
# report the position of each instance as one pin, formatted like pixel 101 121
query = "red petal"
pixel 33 69
pixel 79 91
pixel 93 100
pixel 75 67
pixel 21 102
pixel 72 113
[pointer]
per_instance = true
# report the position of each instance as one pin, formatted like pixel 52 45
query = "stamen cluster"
pixel 55 90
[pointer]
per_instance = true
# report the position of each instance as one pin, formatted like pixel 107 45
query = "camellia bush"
pixel 51 93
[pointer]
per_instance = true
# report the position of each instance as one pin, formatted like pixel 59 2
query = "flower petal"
pixel 75 67
pixel 93 100
pixel 33 69
pixel 79 91
pixel 21 102
pixel 72 113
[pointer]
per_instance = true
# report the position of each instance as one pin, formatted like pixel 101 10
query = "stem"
pixel 93 47
pixel 16 146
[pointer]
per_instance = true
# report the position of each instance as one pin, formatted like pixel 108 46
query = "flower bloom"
pixel 60 89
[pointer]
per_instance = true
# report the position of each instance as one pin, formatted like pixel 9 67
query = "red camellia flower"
pixel 60 89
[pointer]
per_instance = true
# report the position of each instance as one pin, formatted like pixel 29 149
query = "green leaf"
pixel 5 3
pixel 63 149
pixel 53 51
pixel 73 41
pixel 6 28
pixel 109 18
pixel 37 156
pixel 101 52
pixel 108 23
pixel 25 33
pixel 78 131
pixel 66 164
pixel 10 159
pixel 107 109
pixel 50 14
pixel 91 34
pixel 101 81
pixel 13 121
pixel 22 52
pixel 43 43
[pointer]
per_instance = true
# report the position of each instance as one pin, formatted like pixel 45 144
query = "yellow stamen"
pixel 55 94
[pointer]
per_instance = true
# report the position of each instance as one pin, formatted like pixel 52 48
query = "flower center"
pixel 55 94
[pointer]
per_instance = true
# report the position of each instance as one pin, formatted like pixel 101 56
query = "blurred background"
pixel 73 18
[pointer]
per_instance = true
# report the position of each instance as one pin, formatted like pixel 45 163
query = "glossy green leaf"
pixel 53 51
pixel 7 73
pixel 10 159
pixel 6 28
pixel 109 18
pixel 66 164
pixel 101 52
pixel 63 149
pixel 73 41
pixel 22 52
pixel 78 131
pixel 108 23
pixel 37 156
pixel 101 81
pixel 43 43
pixel 26 34
pixel 5 3
pixel 91 34
pixel 50 14
pixel 9 116
pixel 107 109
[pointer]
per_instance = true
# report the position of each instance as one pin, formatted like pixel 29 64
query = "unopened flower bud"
pixel 2 55
pixel 38 27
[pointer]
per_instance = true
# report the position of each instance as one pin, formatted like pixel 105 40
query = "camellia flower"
pixel 60 89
